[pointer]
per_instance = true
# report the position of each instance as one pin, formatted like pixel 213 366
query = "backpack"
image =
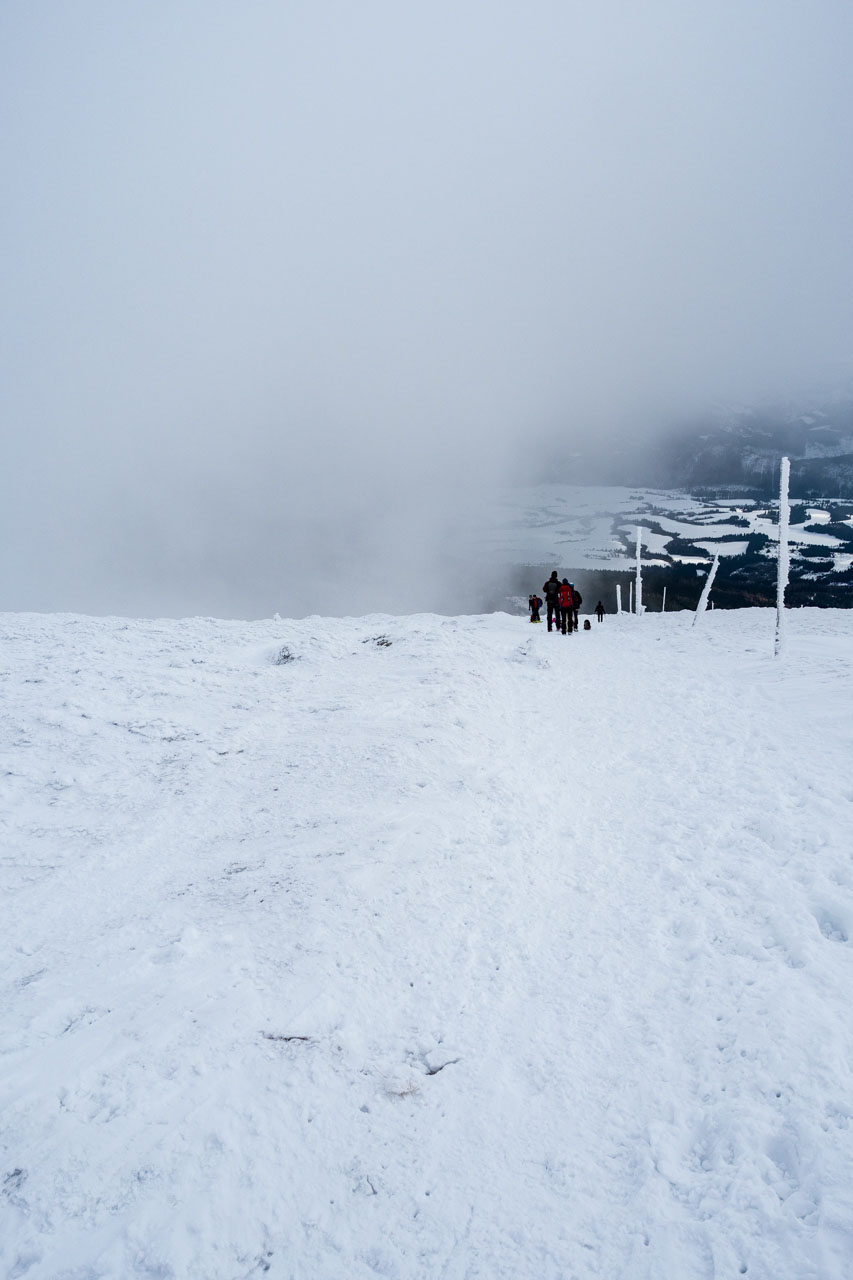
pixel 565 594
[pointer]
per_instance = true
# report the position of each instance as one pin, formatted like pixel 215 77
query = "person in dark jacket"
pixel 534 604
pixel 552 593
pixel 599 611
pixel 577 601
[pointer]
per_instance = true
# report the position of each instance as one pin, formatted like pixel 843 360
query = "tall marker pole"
pixel 639 570
pixel 706 590
pixel 784 557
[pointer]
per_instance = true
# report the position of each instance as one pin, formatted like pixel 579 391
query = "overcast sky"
pixel 287 285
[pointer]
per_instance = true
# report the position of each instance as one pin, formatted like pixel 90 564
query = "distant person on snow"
pixel 552 593
pixel 599 611
pixel 587 625
pixel 577 601
pixel 534 604
pixel 564 595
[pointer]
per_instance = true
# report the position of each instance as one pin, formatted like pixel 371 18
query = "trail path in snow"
pixel 479 953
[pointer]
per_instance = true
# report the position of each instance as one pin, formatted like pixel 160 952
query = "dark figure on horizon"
pixel 599 611
pixel 552 592
pixel 534 604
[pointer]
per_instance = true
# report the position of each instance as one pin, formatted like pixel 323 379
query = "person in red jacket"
pixel 566 600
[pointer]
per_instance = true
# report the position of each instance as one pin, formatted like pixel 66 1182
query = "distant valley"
pixel 589 534
pixel 709 487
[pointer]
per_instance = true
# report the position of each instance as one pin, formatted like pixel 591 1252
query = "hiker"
pixel 552 590
pixel 534 604
pixel 577 601
pixel 599 611
pixel 564 596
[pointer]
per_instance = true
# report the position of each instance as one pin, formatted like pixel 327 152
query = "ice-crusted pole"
pixel 663 602
pixel 618 597
pixel 706 591
pixel 639 570
pixel 783 564
pixel 630 595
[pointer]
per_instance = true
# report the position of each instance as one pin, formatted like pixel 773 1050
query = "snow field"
pixel 480 953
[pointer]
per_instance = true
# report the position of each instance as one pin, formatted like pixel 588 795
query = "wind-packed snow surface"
pixel 446 948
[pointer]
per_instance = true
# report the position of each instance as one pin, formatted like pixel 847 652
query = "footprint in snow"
pixel 831 926
pixel 14 1181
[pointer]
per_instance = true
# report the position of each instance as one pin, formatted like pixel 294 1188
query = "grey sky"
pixel 286 285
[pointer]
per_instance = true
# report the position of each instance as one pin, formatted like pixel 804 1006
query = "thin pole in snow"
pixel 663 602
pixel 639 569
pixel 706 590
pixel 631 596
pixel 618 597
pixel 783 565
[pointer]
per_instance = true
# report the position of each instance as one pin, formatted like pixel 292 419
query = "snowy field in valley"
pixel 448 948
pixel 580 525
pixel 574 524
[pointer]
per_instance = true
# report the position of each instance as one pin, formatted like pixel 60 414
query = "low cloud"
pixel 292 288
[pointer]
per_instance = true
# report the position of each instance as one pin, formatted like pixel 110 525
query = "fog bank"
pixel 288 288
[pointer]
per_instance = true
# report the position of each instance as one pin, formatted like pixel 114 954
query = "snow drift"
pixel 418 947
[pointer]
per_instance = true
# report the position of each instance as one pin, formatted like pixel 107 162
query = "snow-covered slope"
pixel 449 948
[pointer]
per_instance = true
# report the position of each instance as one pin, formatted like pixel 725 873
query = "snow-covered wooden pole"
pixel 706 591
pixel 783 564
pixel 639 569
pixel 630 596
pixel 618 597
pixel 663 602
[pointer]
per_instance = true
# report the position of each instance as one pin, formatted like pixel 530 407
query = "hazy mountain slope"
pixel 743 447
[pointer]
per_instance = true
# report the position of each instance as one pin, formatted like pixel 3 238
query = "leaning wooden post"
pixel 663 602
pixel 783 560
pixel 706 590
pixel 639 570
